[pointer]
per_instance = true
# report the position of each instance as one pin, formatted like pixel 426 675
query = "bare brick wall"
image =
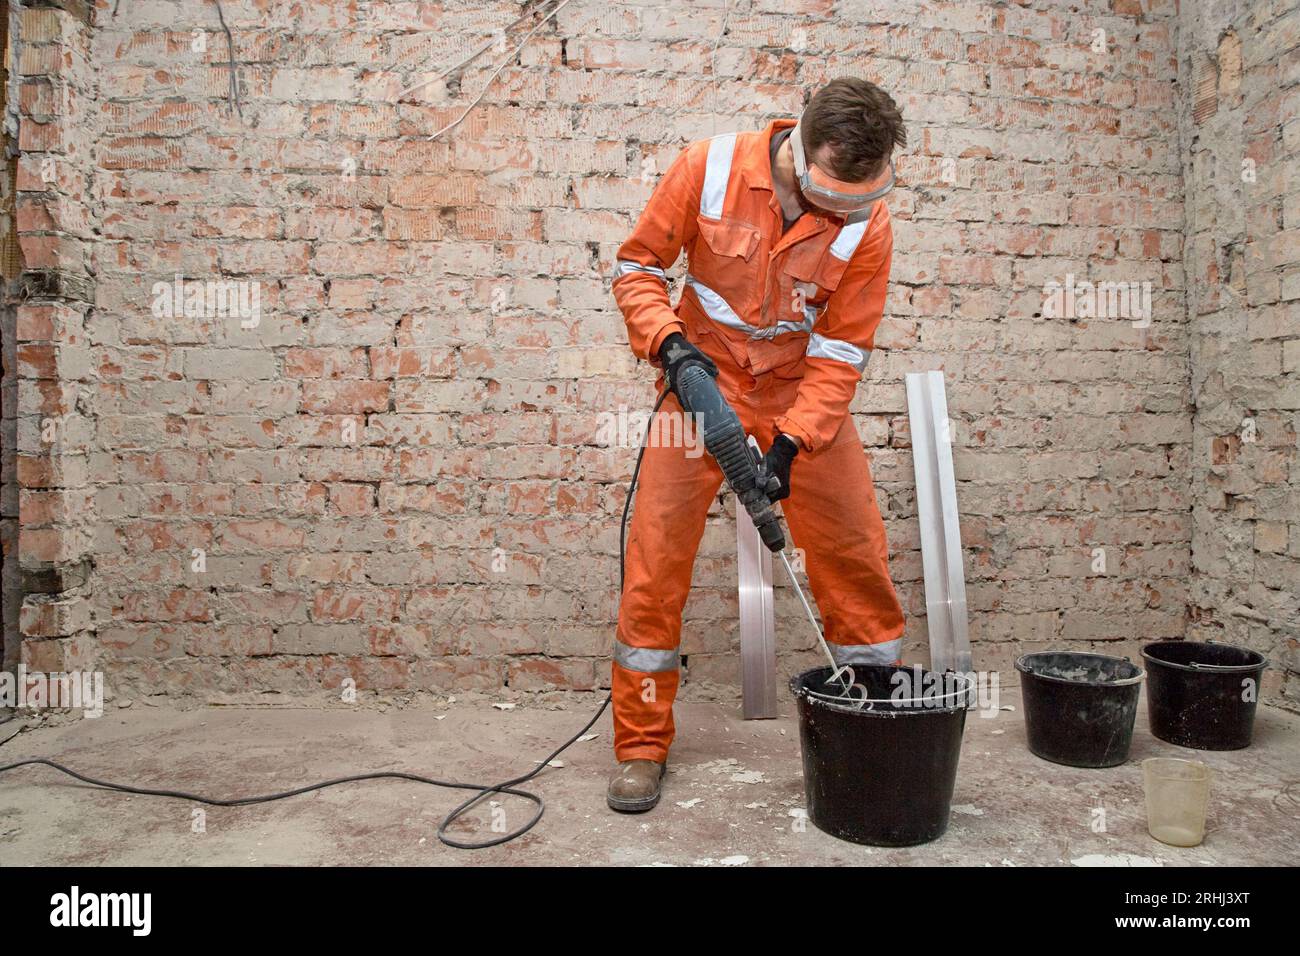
pixel 1242 165
pixel 396 476
pixel 56 426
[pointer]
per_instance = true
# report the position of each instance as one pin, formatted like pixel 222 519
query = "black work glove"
pixel 675 354
pixel 776 464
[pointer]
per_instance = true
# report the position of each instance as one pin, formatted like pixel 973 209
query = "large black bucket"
pixel 1202 694
pixel 881 773
pixel 1079 708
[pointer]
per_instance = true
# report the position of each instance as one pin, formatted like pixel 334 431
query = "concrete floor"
pixel 728 798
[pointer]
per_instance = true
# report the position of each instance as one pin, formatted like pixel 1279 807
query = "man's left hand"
pixel 776 463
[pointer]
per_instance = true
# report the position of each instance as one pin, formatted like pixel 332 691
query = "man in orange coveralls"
pixel 789 245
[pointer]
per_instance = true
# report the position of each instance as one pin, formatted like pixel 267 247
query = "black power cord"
pixel 484 790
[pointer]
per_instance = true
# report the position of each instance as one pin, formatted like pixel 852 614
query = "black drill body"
pixel 725 440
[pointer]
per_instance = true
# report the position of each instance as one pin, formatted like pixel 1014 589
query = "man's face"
pixel 822 158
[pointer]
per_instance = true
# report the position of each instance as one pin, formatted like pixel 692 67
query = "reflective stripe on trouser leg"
pixel 834 519
pixel 885 652
pixel 648 660
pixel 672 501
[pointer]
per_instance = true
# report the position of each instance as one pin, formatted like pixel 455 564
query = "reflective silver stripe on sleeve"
pixel 716 173
pixel 717 309
pixel 624 266
pixel 884 653
pixel 821 347
pixel 647 660
pixel 846 243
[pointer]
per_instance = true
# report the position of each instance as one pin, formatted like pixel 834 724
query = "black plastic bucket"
pixel 1201 694
pixel 881 772
pixel 1079 708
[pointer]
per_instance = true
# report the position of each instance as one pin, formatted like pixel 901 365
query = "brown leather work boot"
pixel 634 786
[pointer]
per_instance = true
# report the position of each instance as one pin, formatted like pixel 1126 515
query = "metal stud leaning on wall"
pixel 757 621
pixel 936 506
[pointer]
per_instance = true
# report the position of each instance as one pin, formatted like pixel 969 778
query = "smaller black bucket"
pixel 1202 694
pixel 881 772
pixel 1079 708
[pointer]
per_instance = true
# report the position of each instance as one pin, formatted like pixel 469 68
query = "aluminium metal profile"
pixel 757 620
pixel 936 506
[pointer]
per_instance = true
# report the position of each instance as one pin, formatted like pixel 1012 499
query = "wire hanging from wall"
pixel 467 60
pixel 713 63
pixel 230 46
pixel 232 96
pixel 495 73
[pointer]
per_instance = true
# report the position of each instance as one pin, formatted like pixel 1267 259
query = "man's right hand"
pixel 676 353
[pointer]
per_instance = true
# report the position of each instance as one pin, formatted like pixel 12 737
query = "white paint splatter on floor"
pixel 725 861
pixel 1116 859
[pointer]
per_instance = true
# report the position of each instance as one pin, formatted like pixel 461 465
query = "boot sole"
pixel 632 806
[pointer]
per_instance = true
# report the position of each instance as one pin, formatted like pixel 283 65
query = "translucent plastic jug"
pixel 1177 793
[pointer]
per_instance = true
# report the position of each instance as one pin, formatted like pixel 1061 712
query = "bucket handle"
pixel 933 699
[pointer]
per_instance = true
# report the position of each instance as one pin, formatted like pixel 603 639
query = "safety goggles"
pixel 831 194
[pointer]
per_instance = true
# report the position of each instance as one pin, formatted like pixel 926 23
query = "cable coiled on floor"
pixel 484 790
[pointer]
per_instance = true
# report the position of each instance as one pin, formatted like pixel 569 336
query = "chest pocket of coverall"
pixel 811 269
pixel 724 260
pixel 807 277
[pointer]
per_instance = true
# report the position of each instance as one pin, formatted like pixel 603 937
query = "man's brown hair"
pixel 859 121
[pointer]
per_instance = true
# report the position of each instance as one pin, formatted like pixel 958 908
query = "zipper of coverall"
pixel 784 240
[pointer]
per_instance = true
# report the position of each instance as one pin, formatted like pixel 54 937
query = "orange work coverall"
pixel 789 319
